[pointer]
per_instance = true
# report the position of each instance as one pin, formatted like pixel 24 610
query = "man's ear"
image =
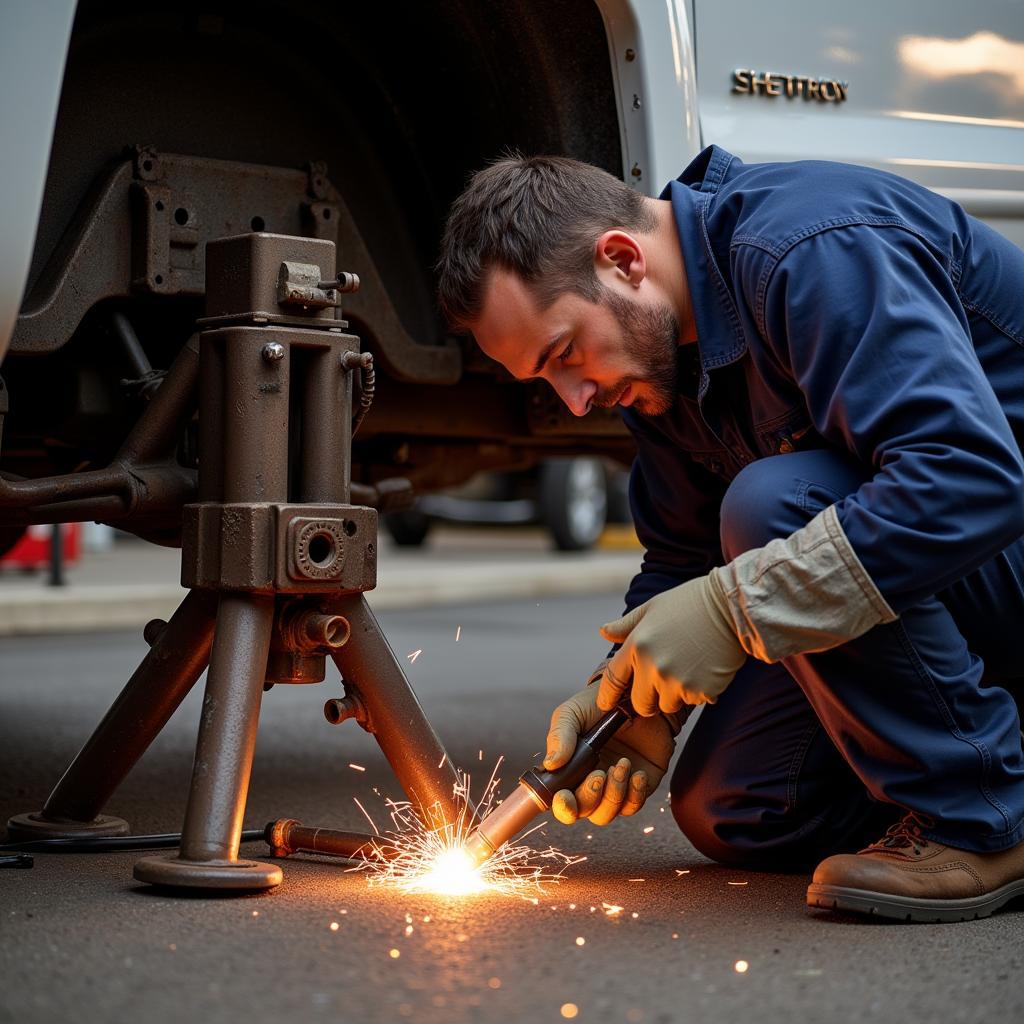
pixel 619 253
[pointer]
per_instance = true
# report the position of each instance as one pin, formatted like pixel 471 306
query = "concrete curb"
pixel 88 607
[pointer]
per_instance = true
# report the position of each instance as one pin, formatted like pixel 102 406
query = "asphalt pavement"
pixel 694 942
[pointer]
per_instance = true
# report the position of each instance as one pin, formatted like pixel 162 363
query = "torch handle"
pixel 545 784
pixel 537 787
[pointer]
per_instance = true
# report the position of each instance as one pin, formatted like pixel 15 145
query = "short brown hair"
pixel 538 217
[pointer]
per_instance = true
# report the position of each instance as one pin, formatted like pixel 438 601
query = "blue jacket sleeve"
pixel 675 504
pixel 871 327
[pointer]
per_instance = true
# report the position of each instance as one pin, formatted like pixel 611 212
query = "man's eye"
pixel 565 353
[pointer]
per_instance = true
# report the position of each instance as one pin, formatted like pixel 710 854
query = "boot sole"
pixel 907 908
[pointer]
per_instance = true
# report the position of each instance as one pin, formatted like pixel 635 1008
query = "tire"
pixel 574 501
pixel 408 528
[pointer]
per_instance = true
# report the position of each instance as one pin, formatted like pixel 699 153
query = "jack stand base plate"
pixel 207 874
pixel 24 828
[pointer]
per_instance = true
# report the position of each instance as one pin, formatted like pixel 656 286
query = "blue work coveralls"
pixel 860 342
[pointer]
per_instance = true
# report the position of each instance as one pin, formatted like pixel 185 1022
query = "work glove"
pixel 631 764
pixel 796 595
pixel 680 647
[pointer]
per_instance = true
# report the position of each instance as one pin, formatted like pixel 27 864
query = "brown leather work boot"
pixel 910 878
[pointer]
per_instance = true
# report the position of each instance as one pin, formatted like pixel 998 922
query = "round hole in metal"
pixel 321 548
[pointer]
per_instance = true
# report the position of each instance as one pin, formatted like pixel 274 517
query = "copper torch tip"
pixel 477 849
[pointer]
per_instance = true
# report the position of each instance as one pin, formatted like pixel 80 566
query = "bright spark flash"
pixel 451 874
pixel 431 859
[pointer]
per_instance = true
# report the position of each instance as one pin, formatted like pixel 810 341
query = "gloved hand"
pixel 680 647
pixel 632 763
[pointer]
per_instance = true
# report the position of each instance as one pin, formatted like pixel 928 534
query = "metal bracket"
pixel 298 284
pixel 284 549
pixel 341 709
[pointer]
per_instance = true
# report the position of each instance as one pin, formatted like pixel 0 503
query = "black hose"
pixel 110 844
pixel 16 860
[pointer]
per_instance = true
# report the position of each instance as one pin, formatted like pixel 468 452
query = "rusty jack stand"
pixel 277 560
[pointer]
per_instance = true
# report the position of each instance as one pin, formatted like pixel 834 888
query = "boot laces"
pixel 906 833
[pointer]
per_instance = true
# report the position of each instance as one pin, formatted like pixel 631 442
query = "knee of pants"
pixel 696 815
pixel 695 820
pixel 752 823
pixel 786 844
pixel 775 496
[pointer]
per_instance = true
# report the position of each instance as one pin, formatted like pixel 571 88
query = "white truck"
pixel 134 133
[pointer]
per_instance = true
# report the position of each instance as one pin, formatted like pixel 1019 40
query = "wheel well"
pixel 402 101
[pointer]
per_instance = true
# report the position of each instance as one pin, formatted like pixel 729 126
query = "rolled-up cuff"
pixel 807 592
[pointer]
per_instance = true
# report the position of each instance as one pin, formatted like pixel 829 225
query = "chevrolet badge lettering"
pixel 768 83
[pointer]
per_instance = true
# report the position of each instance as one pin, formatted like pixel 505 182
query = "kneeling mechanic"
pixel 823 369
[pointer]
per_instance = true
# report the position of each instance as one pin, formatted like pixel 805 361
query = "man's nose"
pixel 577 395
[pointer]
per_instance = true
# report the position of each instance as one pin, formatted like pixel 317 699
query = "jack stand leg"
pixel 396 719
pixel 161 682
pixel 208 857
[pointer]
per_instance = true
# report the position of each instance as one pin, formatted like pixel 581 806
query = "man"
pixel 823 369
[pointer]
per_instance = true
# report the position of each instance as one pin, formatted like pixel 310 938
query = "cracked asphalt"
pixel 80 940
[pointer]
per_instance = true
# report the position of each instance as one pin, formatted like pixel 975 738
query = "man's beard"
pixel 652 333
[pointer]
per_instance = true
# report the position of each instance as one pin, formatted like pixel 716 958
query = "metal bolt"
pixel 635 171
pixel 314 631
pixel 345 283
pixel 152 630
pixel 637 104
pixel 273 351
pixel 631 54
pixel 338 710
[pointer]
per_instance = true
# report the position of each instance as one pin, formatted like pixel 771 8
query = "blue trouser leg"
pixel 800 760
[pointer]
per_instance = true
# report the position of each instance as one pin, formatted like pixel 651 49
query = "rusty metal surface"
pixel 143 481
pixel 324 421
pixel 302 285
pixel 287 836
pixel 368 665
pixel 254 417
pixel 152 438
pixel 257 543
pixel 253 436
pixel 236 875
pixel 177 657
pixel 24 828
pixel 279 548
pixel 227 730
pixel 145 228
pixel 275 424
pixel 247 277
pixel 302 636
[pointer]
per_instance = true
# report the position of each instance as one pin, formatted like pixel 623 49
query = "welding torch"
pixel 537 787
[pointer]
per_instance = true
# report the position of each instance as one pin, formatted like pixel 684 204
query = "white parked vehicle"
pixel 135 133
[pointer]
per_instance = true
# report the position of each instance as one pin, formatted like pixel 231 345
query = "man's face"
pixel 620 350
